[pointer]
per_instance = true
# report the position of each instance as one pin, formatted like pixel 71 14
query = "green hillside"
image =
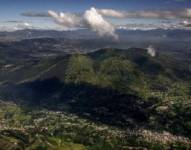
pixel 109 90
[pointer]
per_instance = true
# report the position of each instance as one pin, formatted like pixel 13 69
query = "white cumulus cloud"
pixel 97 23
pixel 67 20
pixel 151 51
pixel 90 19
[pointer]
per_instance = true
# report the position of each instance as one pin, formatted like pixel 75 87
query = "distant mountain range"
pixel 124 34
pixel 46 43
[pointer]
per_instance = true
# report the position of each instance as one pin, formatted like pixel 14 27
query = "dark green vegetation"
pixel 108 99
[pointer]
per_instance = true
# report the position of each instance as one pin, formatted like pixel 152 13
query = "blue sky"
pixel 11 10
